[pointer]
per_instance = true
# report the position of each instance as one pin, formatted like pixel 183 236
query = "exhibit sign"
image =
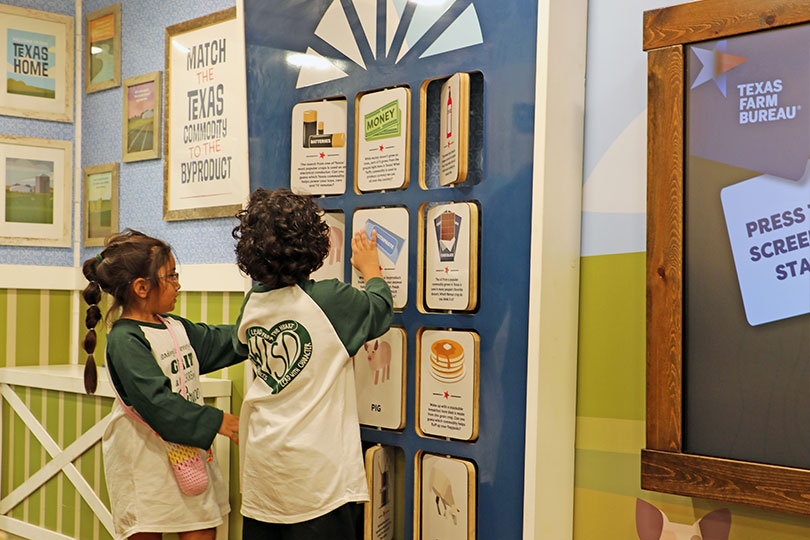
pixel 447 384
pixel 141 120
pixel 446 506
pixel 205 134
pixel 451 256
pixel 102 49
pixel 749 108
pixel 379 374
pixel 391 225
pixel 334 262
pixel 379 511
pixel 382 153
pixel 318 164
pixel 454 129
pixel 36 176
pixel 38 78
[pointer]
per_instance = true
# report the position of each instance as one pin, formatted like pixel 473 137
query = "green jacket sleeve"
pixel 143 385
pixel 213 344
pixel 357 316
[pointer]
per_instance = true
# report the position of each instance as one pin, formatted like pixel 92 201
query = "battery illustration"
pixel 331 140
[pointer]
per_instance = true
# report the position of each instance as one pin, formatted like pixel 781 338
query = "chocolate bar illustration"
pixel 388 243
pixel 447 225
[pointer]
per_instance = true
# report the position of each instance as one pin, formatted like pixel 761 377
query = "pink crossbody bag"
pixel 186 461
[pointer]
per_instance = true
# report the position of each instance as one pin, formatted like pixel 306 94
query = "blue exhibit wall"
pixel 277 30
pixel 41 129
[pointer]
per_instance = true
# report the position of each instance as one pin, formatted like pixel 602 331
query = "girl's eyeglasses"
pixel 174 276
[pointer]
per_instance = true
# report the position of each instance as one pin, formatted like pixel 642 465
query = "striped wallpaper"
pixel 37 332
pixel 611 415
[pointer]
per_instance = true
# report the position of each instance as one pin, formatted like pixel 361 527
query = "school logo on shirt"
pixel 279 354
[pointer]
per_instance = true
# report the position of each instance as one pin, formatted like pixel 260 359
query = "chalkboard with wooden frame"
pixel 665 465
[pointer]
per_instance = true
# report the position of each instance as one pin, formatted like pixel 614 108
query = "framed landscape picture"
pixel 141 134
pixel 35 175
pixel 102 49
pixel 37 81
pixel 100 203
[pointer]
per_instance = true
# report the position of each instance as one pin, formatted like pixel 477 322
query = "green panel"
pixel 611 337
pixel 18 454
pixel 68 509
pixel 52 405
pixel 234 306
pixel 28 327
pixel 35 451
pixel 3 311
pixel 59 325
pixel 214 311
pixel 609 472
pixel 5 463
pixel 87 466
pixel 70 403
pixel 194 306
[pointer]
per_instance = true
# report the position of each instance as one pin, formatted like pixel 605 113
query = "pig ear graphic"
pixel 716 525
pixel 376 344
pixel 649 521
pixel 365 346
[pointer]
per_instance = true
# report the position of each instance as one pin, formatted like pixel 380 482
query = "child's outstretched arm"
pixel 365 256
pixel 230 427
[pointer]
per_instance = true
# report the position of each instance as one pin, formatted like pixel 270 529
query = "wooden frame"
pixel 141 141
pixel 33 168
pixel 106 178
pixel 205 175
pixel 105 26
pixel 665 467
pixel 44 89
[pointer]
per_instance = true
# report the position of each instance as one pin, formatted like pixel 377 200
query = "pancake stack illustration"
pixel 447 361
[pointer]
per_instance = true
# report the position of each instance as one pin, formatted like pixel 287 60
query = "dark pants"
pixel 343 523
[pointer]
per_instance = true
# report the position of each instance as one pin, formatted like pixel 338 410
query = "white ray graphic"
pixel 617 184
pixel 334 29
pixel 423 18
pixel 393 14
pixel 315 69
pixel 464 32
pixel 367 13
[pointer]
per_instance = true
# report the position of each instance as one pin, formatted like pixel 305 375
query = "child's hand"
pixel 230 427
pixel 364 255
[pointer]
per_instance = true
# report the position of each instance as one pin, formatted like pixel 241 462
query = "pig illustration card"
pixel 379 374
pixel 335 262
pixel 447 384
pixel 391 225
pixel 446 493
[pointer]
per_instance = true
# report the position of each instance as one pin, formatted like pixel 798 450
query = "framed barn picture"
pixel 35 175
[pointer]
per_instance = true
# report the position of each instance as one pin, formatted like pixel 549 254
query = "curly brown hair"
pixel 281 238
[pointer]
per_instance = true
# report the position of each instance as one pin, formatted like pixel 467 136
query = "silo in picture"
pixel 29 191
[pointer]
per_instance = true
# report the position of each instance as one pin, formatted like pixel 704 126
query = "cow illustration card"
pixel 336 260
pixel 379 379
pixel 391 225
pixel 446 506
pixel 447 384
pixel 382 132
pixel 451 256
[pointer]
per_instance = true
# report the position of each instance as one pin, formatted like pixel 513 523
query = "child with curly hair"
pixel 143 357
pixel 302 471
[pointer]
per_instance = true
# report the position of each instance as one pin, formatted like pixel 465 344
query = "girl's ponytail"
pixel 91 295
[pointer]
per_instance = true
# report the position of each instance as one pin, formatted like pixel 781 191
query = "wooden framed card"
pixel 379 374
pixel 447 382
pixel 444 497
pixel 391 224
pixel 141 125
pixel 380 511
pixel 448 256
pixel 318 162
pixel 382 131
